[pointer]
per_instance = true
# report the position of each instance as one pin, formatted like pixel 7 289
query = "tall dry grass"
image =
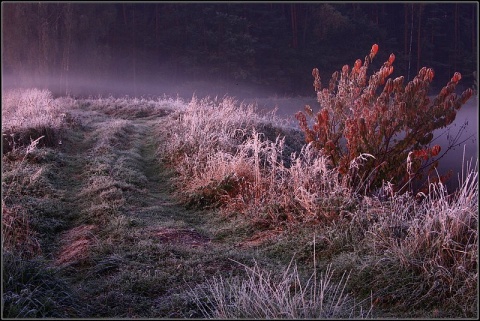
pixel 131 108
pixel 223 159
pixel 26 108
pixel 30 213
pixel 263 294
pixel 17 234
pixel 436 238
pixel 206 125
pixel 30 113
pixel 31 118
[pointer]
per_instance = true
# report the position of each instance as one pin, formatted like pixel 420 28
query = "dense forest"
pixel 271 45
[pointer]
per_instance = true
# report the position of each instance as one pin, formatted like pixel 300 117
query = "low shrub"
pixel 393 125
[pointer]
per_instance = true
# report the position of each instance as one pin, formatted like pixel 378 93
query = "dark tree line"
pixel 270 44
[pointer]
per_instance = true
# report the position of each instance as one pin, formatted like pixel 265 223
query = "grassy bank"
pixel 208 209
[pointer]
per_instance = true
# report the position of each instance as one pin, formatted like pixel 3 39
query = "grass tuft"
pixel 262 294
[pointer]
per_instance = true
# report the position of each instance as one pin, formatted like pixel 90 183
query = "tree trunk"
pixel 305 26
pixel 157 22
pixel 134 54
pixel 68 17
pixel 405 28
pixel 474 38
pixel 124 13
pixel 474 28
pixel 294 26
pixel 43 43
pixel 455 38
pixel 419 35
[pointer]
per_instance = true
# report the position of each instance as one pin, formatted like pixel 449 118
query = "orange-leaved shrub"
pixel 393 126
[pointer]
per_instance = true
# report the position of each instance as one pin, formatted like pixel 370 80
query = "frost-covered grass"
pixel 31 108
pixel 225 157
pixel 133 107
pixel 436 238
pixel 28 114
pixel 286 294
pixel 93 220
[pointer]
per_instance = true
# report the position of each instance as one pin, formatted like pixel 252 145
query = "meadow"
pixel 208 208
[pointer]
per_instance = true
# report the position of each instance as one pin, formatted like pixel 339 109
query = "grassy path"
pixel 159 206
pixel 98 229
pixel 132 249
pixel 128 247
pixel 94 226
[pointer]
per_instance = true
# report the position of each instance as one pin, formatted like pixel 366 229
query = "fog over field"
pixel 91 86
